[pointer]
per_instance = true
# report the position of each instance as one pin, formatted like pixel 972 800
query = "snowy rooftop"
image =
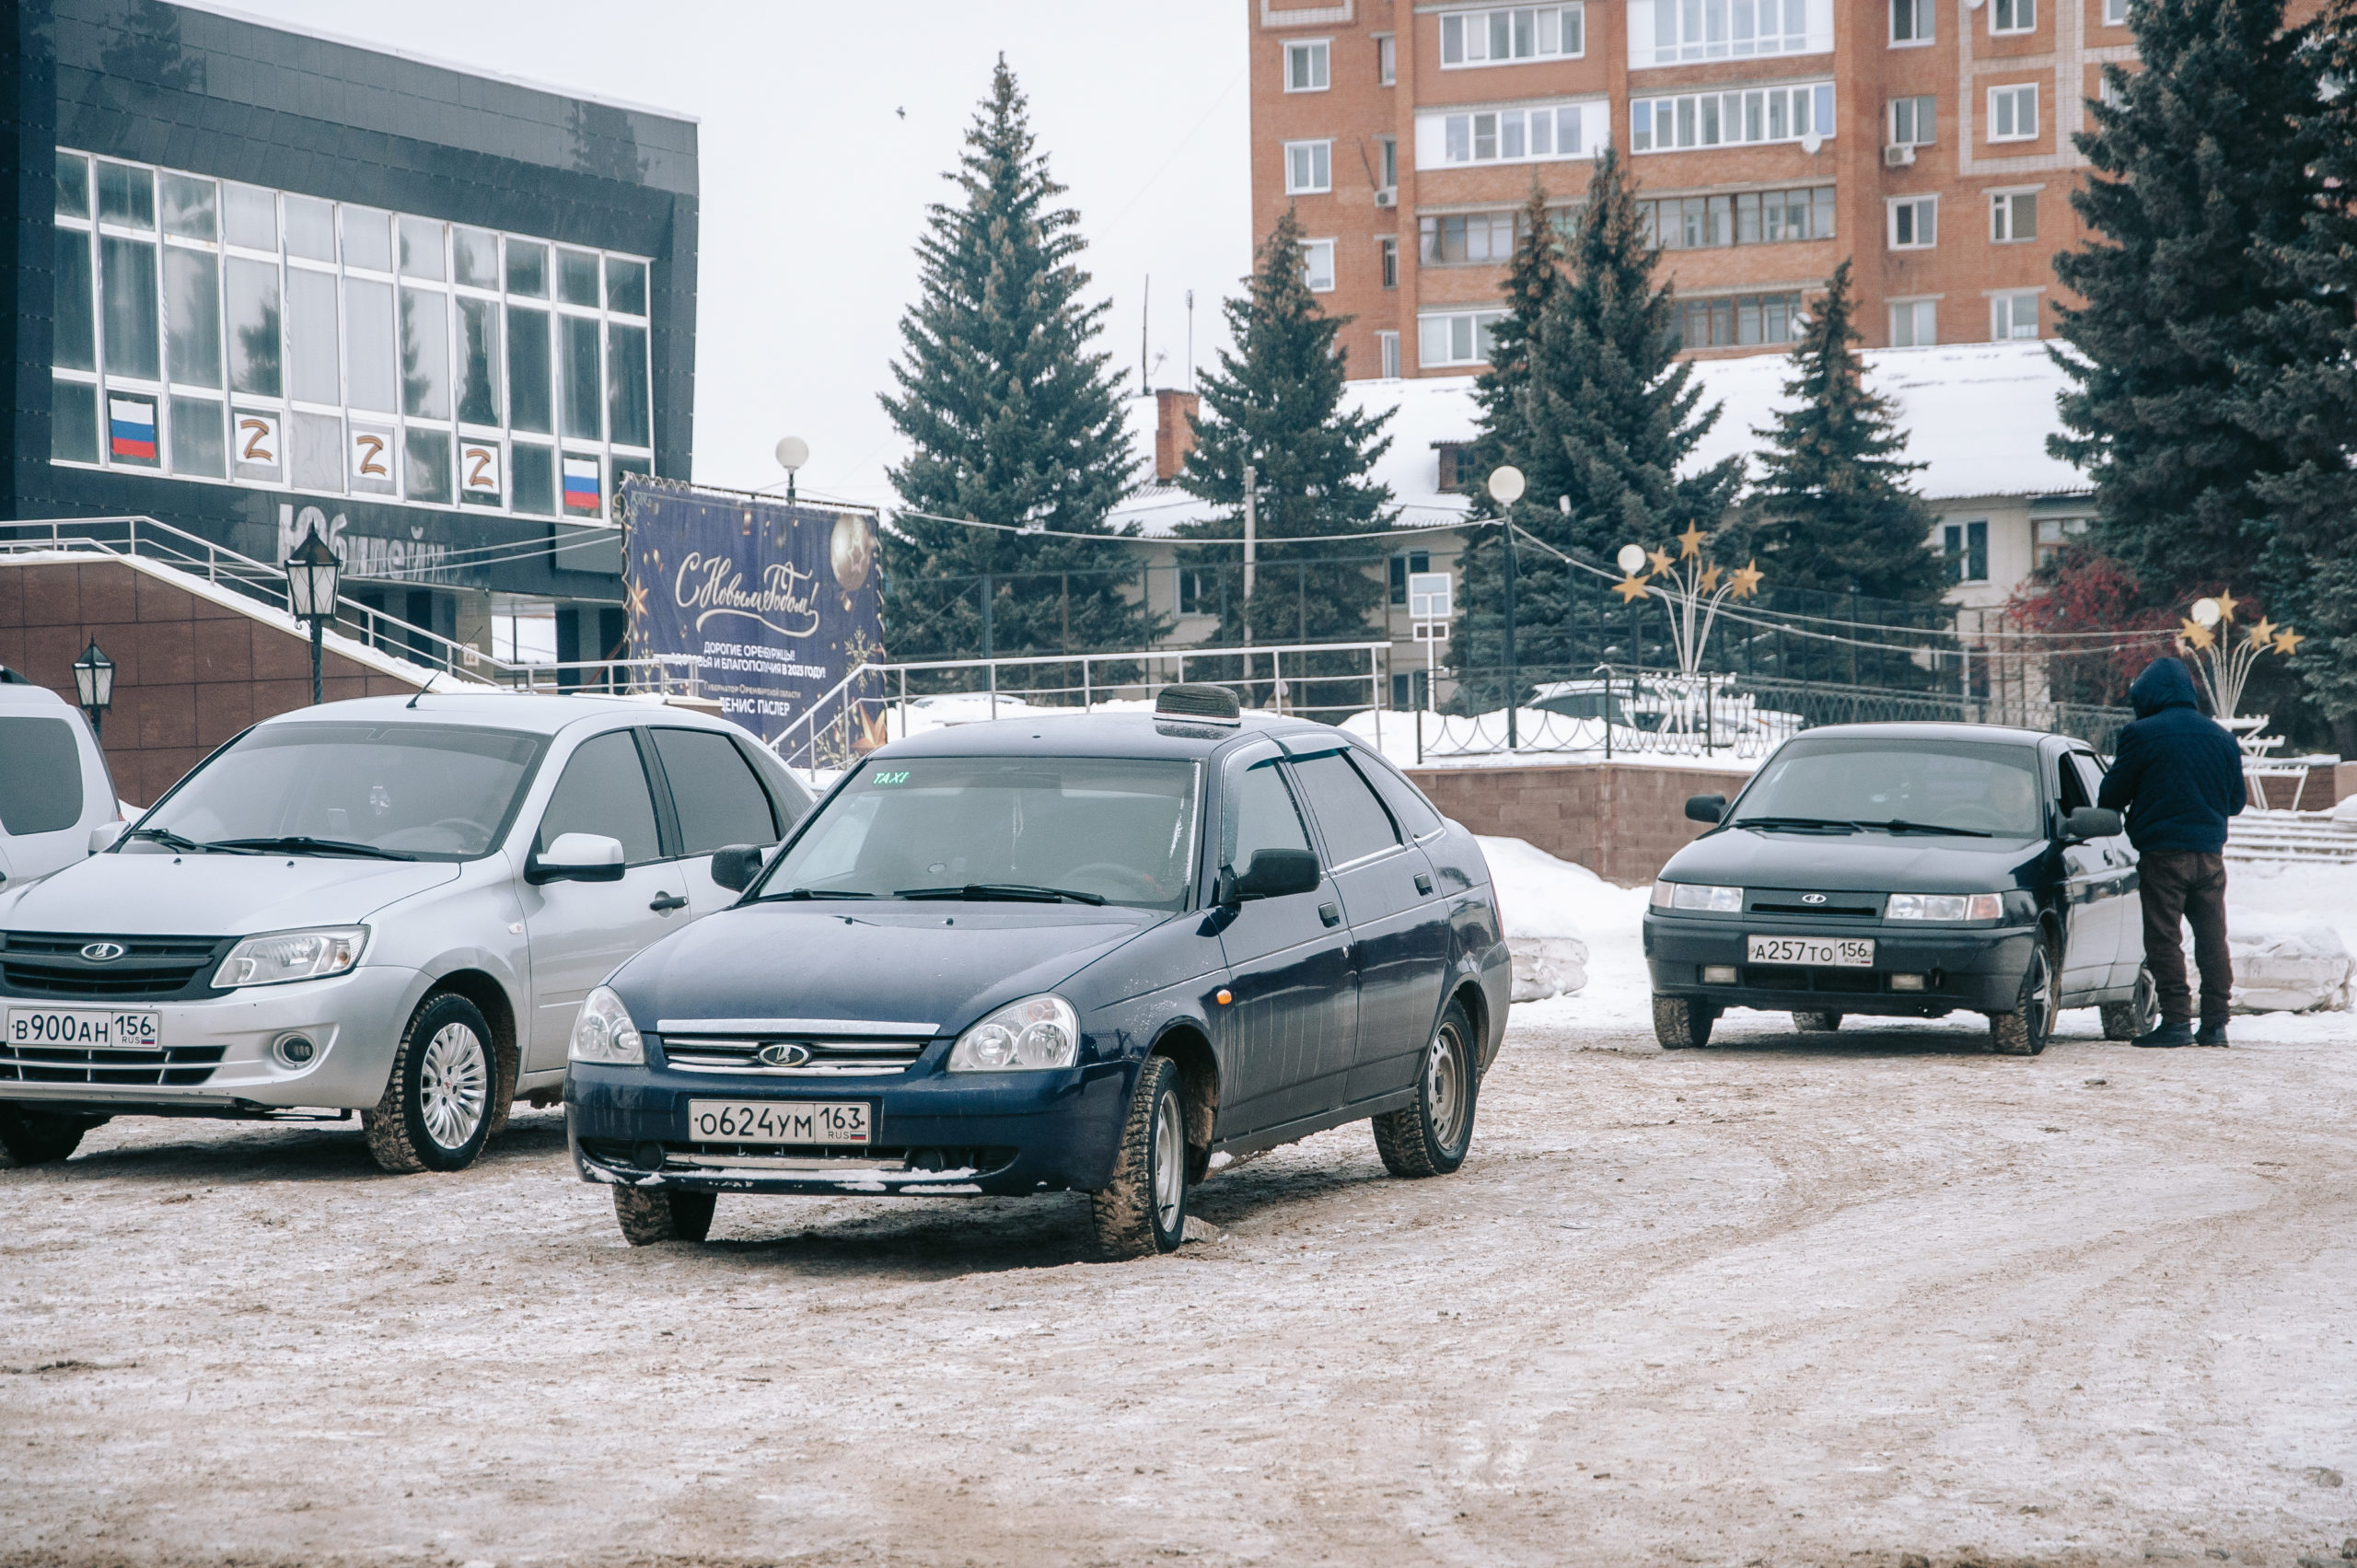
pixel 1977 414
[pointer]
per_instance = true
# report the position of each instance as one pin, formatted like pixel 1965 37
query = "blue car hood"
pixel 943 964
pixel 1862 862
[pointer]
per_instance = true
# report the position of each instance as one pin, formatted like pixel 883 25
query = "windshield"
pixel 1119 832
pixel 425 792
pixel 1962 785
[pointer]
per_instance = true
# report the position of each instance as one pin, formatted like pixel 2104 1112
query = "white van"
pixel 388 906
pixel 54 788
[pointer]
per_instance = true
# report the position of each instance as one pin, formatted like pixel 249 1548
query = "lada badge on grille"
pixel 782 1053
pixel 1812 897
pixel 103 952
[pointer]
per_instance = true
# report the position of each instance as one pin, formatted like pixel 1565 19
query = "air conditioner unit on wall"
pixel 1388 197
pixel 1897 157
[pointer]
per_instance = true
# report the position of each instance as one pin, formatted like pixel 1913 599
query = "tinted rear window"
pixel 719 800
pixel 40 776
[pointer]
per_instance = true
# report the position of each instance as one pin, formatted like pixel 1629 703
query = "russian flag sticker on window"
pixel 131 424
pixel 581 489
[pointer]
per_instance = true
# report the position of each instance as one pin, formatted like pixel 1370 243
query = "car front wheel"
pixel 29 1136
pixel 437 1113
pixel 2140 1014
pixel 2024 1032
pixel 1817 1023
pixel 1143 1210
pixel 1430 1136
pixel 649 1216
pixel 1681 1024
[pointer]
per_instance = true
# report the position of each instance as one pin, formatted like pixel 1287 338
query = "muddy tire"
pixel 1817 1023
pixel 1431 1137
pixel 440 1100
pixel 1681 1024
pixel 2026 1029
pixel 2141 1015
pixel 30 1136
pixel 649 1214
pixel 1143 1210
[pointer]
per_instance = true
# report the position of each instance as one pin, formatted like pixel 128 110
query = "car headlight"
pixel 1698 896
pixel 1945 906
pixel 291 955
pixel 1038 1031
pixel 603 1031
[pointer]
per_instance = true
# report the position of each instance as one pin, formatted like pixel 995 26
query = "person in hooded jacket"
pixel 2178 776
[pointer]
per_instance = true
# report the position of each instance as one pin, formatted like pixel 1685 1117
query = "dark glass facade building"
pixel 262 280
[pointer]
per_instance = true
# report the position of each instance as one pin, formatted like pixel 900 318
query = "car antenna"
pixel 425 689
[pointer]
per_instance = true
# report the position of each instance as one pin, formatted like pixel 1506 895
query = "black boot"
pixel 2212 1032
pixel 2169 1036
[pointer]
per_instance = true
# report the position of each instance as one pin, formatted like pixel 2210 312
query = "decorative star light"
pixel 2193 635
pixel 1748 578
pixel 1662 559
pixel 1690 587
pixel 2263 632
pixel 2221 664
pixel 2227 602
pixel 1690 542
pixel 2287 642
pixel 1631 589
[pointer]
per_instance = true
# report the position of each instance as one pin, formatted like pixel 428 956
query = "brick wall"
pixel 190 673
pixel 1622 822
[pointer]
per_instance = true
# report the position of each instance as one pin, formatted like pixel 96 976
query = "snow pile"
pixel 2346 811
pixel 2284 965
pixel 1549 907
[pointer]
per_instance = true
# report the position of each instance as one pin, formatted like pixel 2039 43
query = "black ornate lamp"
pixel 311 573
pixel 94 684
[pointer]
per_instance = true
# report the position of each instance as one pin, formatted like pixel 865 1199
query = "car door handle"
pixel 1329 913
pixel 1424 883
pixel 663 903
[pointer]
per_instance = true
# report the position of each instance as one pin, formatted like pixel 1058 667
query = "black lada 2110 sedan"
pixel 1101 953
pixel 1905 869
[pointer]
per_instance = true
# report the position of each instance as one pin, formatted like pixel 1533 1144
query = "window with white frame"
pixel 1386 162
pixel 1465 238
pixel 1510 34
pixel 2115 12
pixel 2013 15
pixel 2012 313
pixel 1914 323
pixel 1386 255
pixel 2013 113
pixel 1912 21
pixel 1455 337
pixel 1310 168
pixel 1527 134
pixel 1744 117
pixel 1674 32
pixel 2012 215
pixel 1305 65
pixel 1966 548
pixel 1748 217
pixel 1387 351
pixel 1317 264
pixel 1387 60
pixel 1914 223
pixel 220 332
pixel 1913 121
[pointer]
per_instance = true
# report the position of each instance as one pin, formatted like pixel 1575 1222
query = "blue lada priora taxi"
pixel 1092 954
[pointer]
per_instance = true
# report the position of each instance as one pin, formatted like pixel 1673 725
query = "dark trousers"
pixel 2181 885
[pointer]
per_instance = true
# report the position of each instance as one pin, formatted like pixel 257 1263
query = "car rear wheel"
pixel 1681 1024
pixel 2139 1015
pixel 436 1110
pixel 1143 1210
pixel 1431 1137
pixel 1817 1023
pixel 29 1136
pixel 651 1214
pixel 2024 1032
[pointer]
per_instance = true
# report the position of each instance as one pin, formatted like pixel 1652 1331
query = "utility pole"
pixel 1513 685
pixel 1251 546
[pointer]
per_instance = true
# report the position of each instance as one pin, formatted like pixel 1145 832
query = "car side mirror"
pixel 1705 807
pixel 577 857
pixel 1273 874
pixel 103 836
pixel 734 866
pixel 2090 822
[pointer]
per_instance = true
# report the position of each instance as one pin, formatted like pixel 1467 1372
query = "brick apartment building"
pixel 1929 140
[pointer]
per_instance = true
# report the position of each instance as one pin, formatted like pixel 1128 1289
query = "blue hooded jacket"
pixel 2178 775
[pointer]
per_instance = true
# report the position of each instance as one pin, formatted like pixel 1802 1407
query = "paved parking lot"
pixel 1774 1303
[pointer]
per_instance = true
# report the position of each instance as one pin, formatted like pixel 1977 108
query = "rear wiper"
pixel 303 844
pixel 818 893
pixel 1841 825
pixel 1900 825
pixel 1009 892
pixel 172 841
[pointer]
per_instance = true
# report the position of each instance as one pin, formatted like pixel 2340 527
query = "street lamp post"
pixel 1506 485
pixel 94 684
pixel 311 573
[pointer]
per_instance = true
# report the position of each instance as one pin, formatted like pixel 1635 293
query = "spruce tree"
pixel 1275 404
pixel 1015 419
pixel 1831 509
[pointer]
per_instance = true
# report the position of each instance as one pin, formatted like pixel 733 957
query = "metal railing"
pixel 874 704
pixel 149 539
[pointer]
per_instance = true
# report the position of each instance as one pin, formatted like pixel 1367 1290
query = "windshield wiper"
pixel 303 844
pixel 818 893
pixel 172 841
pixel 1841 824
pixel 1008 892
pixel 1900 825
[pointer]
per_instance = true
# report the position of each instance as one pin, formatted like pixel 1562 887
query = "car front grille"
pixel 1793 977
pixel 151 968
pixel 182 1065
pixel 1831 905
pixel 831 1055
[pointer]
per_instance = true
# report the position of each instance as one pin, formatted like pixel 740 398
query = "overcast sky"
pixel 814 188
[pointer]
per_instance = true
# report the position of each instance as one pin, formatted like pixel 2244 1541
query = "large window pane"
pixel 367 241
pixel 581 388
pixel 478 361
pixel 315 451
pixel 197 447
pixel 528 269
pixel 190 208
pixel 425 354
pixel 192 317
pixel 75 340
pixel 625 286
pixel 576 277
pixel 126 196
pixel 528 368
pixel 369 359
pixel 532 476
pixel 73 186
pixel 474 257
pixel 310 228
pixel 250 216
pixel 421 248
pixel 253 327
pixel 311 356
pixel 128 270
pixel 74 422
pixel 626 397
pixel 425 466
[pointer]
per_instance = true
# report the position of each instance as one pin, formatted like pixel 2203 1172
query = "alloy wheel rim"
pixel 1169 1164
pixel 453 1085
pixel 2042 1008
pixel 1444 1088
